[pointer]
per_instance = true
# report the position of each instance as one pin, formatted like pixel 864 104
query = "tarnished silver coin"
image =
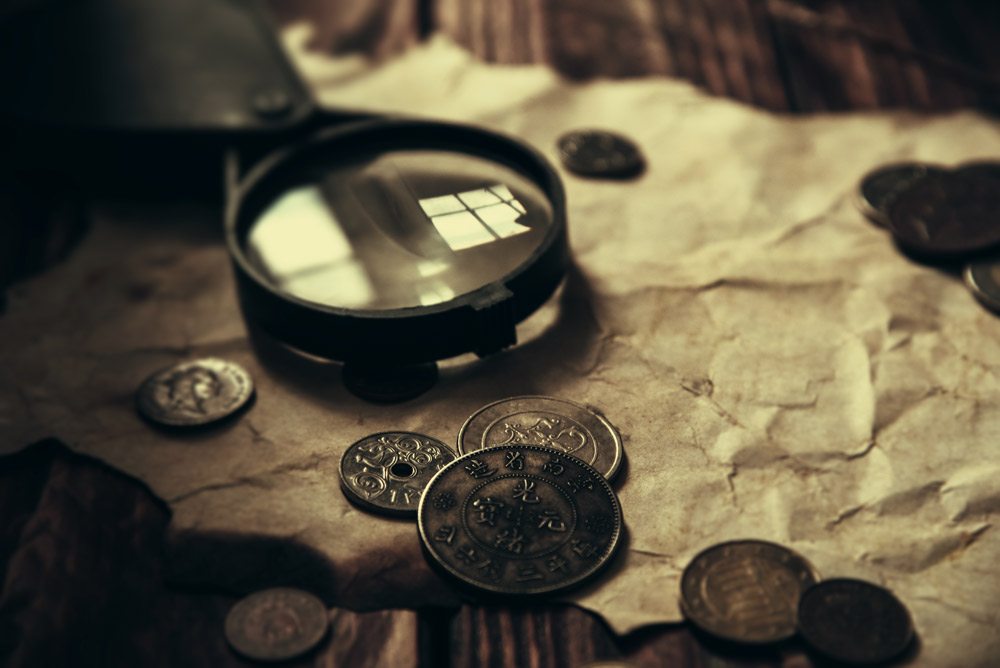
pixel 276 624
pixel 746 591
pixel 879 188
pixel 983 280
pixel 948 214
pixel 600 153
pixel 519 520
pixel 547 421
pixel 387 472
pixel 194 393
pixel 854 621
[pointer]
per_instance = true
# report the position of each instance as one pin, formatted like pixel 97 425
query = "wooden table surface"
pixel 81 545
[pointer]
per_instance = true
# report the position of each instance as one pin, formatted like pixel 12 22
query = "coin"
pixel 746 590
pixel 547 421
pixel 387 472
pixel 947 213
pixel 880 187
pixel 194 393
pixel 519 520
pixel 983 280
pixel 389 385
pixel 276 624
pixel 854 621
pixel 599 153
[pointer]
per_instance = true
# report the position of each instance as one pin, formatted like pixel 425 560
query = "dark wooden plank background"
pixel 80 545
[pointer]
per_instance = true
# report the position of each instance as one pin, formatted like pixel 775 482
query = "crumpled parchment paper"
pixel 777 368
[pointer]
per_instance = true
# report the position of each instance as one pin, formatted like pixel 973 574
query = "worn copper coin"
pixel 194 393
pixel 599 153
pixel 746 590
pixel 950 213
pixel 387 472
pixel 880 187
pixel 555 423
pixel 983 280
pixel 276 624
pixel 854 621
pixel 519 520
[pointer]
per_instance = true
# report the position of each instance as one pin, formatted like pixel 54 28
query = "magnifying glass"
pixel 392 242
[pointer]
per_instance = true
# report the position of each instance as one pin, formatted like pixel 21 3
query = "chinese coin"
pixel 194 393
pixel 519 520
pixel 599 153
pixel 387 472
pixel 547 421
pixel 880 187
pixel 854 621
pixel 276 624
pixel 745 591
pixel 950 213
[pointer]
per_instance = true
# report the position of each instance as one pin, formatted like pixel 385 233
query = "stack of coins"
pixel 523 508
pixel 941 215
pixel 755 592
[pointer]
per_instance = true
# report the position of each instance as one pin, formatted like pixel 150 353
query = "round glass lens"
pixel 398 229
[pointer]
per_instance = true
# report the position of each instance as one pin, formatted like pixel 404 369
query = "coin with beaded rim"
pixel 194 393
pixel 547 421
pixel 745 591
pixel 387 472
pixel 600 153
pixel 276 624
pixel 854 621
pixel 519 520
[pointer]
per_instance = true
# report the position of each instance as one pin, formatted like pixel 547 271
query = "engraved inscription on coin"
pixel 547 421
pixel 854 621
pixel 983 280
pixel 194 393
pixel 599 153
pixel 520 520
pixel 387 472
pixel 745 591
pixel 947 214
pixel 879 188
pixel 276 624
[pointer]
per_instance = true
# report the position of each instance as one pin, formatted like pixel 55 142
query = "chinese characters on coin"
pixel 519 520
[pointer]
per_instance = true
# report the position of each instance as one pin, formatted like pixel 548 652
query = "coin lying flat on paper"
pixel 879 188
pixel 387 472
pixel 746 591
pixel 599 153
pixel 194 393
pixel 276 624
pixel 854 621
pixel 547 421
pixel 947 213
pixel 519 520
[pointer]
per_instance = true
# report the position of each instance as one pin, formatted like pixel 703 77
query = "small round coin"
pixel 387 472
pixel 853 621
pixel 947 214
pixel 194 393
pixel 745 591
pixel 600 153
pixel 276 624
pixel 880 187
pixel 519 520
pixel 983 280
pixel 547 421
